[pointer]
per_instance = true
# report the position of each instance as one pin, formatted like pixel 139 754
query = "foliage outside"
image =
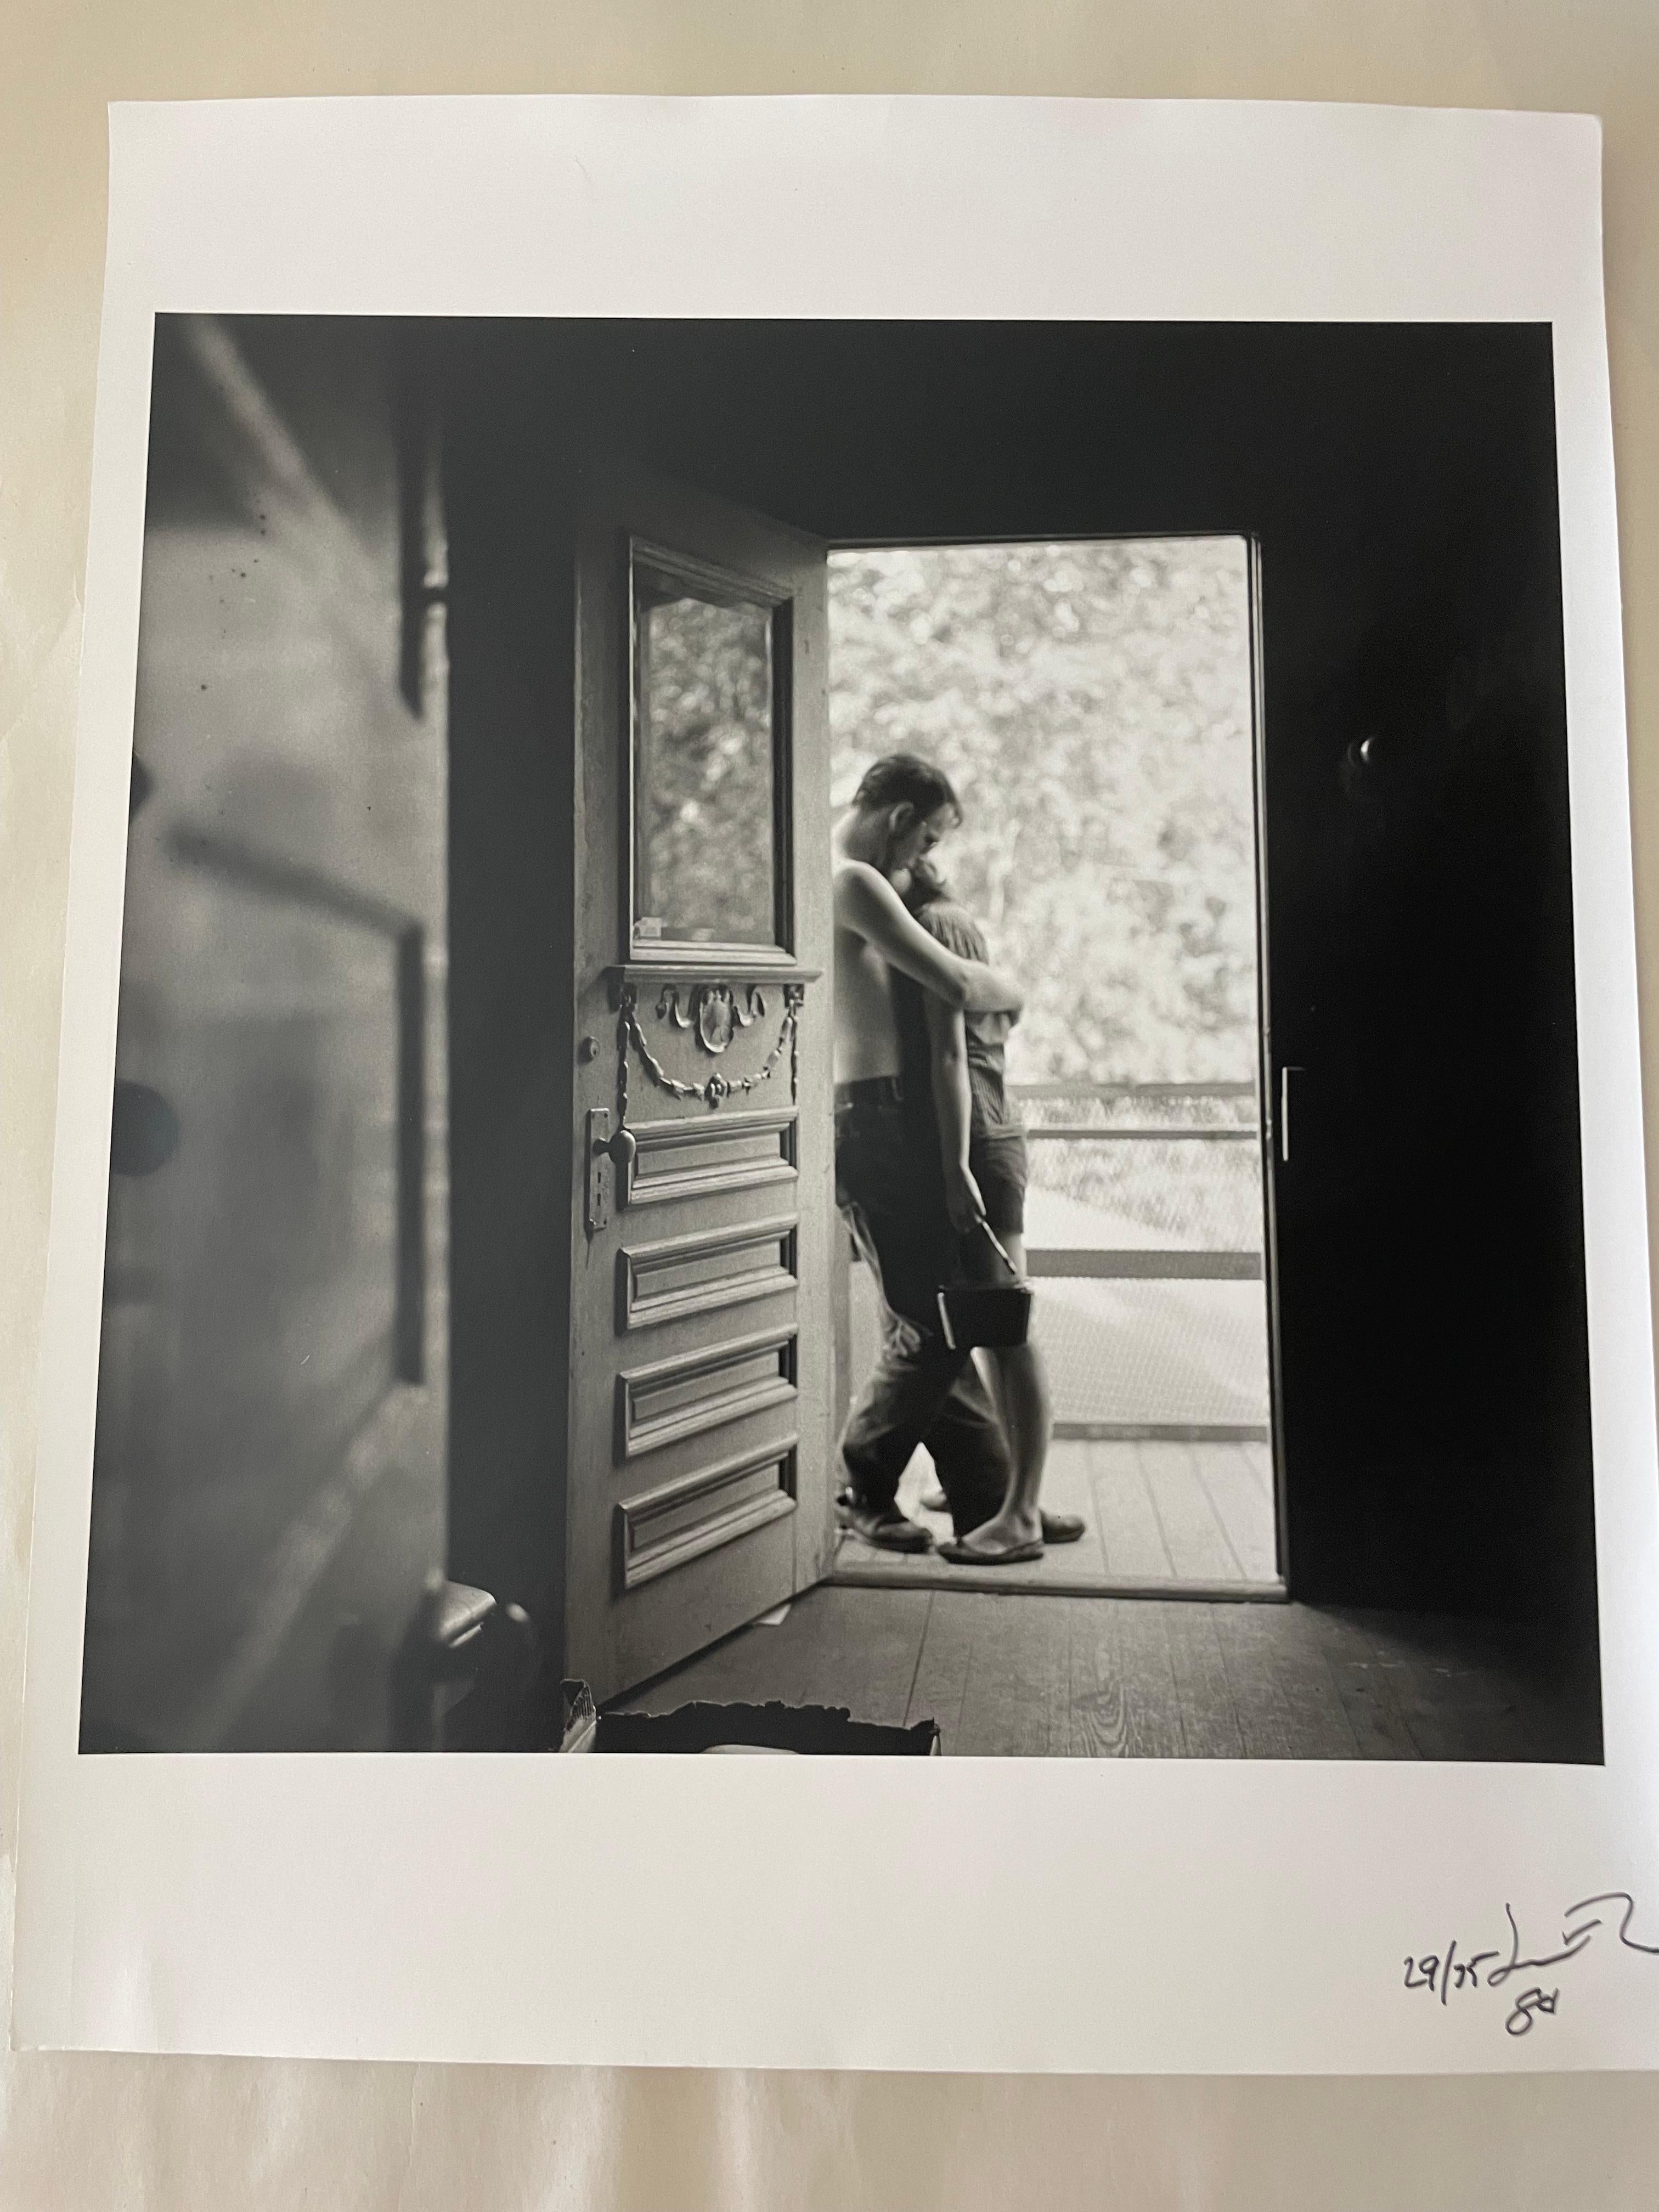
pixel 1091 703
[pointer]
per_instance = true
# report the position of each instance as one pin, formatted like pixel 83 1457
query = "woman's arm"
pixel 953 1107
pixel 867 904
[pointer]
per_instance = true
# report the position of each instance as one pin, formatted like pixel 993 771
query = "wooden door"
pixel 698 1482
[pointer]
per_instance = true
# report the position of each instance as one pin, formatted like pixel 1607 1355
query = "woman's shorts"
pixel 998 1166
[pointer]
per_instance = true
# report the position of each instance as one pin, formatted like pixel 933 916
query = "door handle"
pixel 621 1150
pixel 609 1155
pixel 1284 1075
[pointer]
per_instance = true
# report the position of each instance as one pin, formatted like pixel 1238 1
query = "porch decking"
pixel 1161 1515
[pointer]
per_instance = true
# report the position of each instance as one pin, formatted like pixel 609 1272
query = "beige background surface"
pixel 107 2131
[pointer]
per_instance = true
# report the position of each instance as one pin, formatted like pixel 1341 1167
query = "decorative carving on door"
pixel 712 1012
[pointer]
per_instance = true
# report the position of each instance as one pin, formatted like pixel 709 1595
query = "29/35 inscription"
pixel 1457 1969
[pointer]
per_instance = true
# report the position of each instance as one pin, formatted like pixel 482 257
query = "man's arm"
pixel 867 904
pixel 953 1107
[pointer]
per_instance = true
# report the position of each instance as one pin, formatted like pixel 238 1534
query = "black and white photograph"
pixel 830 902
pixel 848 976
pixel 848 1036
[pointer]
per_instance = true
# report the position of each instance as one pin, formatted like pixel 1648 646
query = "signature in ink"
pixel 1444 1973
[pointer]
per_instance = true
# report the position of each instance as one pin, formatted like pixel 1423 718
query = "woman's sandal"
pixel 963 1554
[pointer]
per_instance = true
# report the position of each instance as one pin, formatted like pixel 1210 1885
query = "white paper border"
pixel 1182 1916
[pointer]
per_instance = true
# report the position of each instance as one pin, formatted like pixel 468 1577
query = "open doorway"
pixel 1094 703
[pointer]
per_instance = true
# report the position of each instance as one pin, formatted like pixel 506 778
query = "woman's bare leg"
pixel 1019 1383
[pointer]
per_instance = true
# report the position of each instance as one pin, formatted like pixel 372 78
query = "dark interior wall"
pixel 269 1480
pixel 511 805
pixel 1400 482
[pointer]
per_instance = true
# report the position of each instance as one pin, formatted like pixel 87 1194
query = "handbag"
pixel 974 1313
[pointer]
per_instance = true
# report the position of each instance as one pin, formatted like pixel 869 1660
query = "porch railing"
pixel 1157 1113
pixel 1165 1181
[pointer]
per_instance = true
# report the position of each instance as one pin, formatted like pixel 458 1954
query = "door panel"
pixel 699 1468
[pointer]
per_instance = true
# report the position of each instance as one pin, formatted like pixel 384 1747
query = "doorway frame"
pixel 1271 1125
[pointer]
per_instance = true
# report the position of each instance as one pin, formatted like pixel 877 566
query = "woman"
pixel 983 1155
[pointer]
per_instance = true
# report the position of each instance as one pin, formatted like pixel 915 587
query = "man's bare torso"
pixel 867 1035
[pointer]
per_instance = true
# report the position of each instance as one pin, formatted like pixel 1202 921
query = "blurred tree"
pixel 1091 703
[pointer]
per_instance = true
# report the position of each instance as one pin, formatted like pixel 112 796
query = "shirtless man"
pixel 889 1178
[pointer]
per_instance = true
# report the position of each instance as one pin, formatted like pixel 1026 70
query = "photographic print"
pixel 849 1069
pixel 977 917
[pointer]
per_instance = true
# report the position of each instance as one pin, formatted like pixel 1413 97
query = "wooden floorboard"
pixel 1005 1676
pixel 1363 1685
pixel 1068 1488
pixel 1197 1543
pixel 860 1653
pixel 1459 1692
pixel 1287 1700
pixel 1454 1711
pixel 727 1674
pixel 1130 1533
pixel 1124 1699
pixel 1259 1461
pixel 1015 1702
pixel 939 1685
pixel 1222 1472
pixel 869 1665
pixel 1098 1720
pixel 1205 1697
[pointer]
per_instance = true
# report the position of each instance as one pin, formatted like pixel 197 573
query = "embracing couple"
pixel 928 1156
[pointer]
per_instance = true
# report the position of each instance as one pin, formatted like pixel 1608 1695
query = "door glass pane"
pixel 705 862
